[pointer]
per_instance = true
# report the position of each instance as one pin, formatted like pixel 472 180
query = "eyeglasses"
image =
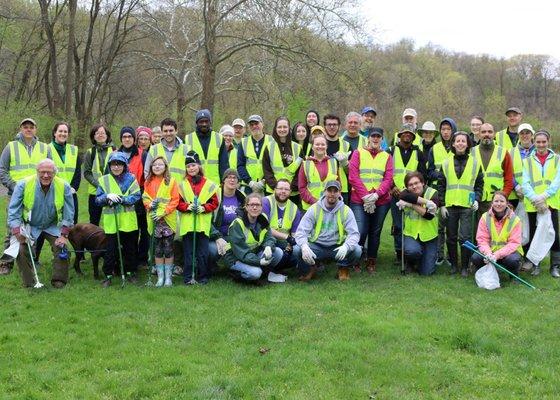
pixel 254 205
pixel 335 124
pixel 486 131
pixel 232 177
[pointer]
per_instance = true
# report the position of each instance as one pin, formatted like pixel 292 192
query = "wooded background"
pixel 134 62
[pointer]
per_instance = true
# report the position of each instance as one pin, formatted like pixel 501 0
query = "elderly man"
pixel 352 135
pixel 238 130
pixel 409 116
pixel 508 138
pixel 328 230
pixel 45 203
pixel 250 155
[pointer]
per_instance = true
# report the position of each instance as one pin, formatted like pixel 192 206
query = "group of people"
pixel 297 198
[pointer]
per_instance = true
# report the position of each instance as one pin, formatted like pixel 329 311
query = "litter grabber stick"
pixel 195 203
pixel 116 211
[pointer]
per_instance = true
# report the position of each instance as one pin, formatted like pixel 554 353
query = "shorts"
pixel 163 247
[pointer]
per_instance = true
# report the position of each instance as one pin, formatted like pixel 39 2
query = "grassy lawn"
pixel 380 337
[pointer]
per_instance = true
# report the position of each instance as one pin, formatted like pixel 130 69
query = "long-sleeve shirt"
pixel 168 152
pixel 43 213
pixel 323 169
pixel 551 190
pixel 507 166
pixel 281 212
pixel 358 188
pixel 269 177
pixel 242 158
pixel 483 236
pixel 223 155
pixel 124 181
pixel 151 188
pixel 209 206
pixel 101 154
pixel 407 153
pixel 459 163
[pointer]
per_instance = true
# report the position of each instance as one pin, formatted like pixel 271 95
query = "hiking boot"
pixel 6 268
pixel 453 270
pixel 310 275
pixel 370 266
pixel 440 261
pixel 357 268
pixel 106 283
pixel 132 278
pixel 58 284
pixel 168 275
pixel 343 274
pixel 536 271
pixel 527 266
pixel 464 272
pixel 554 271
pixel 160 269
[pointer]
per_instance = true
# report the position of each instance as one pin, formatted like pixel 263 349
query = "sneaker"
pixel 453 270
pixel 464 272
pixel 203 281
pixel 276 278
pixel 527 266
pixel 132 278
pixel 343 274
pixel 536 271
pixel 106 283
pixel 6 269
pixel 440 261
pixel 58 284
pixel 554 271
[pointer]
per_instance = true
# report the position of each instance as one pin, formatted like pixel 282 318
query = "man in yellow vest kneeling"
pixel 44 203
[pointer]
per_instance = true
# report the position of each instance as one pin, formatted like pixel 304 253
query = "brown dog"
pixel 88 238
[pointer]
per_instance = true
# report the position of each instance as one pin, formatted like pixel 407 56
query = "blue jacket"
pixel 124 181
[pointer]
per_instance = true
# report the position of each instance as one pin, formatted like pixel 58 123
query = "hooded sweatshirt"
pixel 124 181
pixel 433 172
pixel 328 235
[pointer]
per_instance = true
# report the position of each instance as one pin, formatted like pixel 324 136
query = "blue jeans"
pixel 327 253
pixel 370 226
pixel 201 257
pixel 288 260
pixel 422 253
pixel 396 228
pixel 251 272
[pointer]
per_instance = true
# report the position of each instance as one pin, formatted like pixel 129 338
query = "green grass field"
pixel 380 337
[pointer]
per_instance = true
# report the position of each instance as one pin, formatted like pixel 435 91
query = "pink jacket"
pixel 323 168
pixel 483 236
pixel 358 188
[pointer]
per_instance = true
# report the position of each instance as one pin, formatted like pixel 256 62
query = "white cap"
pixel 227 128
pixel 527 127
pixel 428 126
pixel 238 121
pixel 409 112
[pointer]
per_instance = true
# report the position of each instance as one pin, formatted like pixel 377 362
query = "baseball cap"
pixel 238 121
pixel 367 109
pixel 255 118
pixel 226 128
pixel 409 112
pixel 376 131
pixel 333 183
pixel 527 127
pixel 406 128
pixel 514 109
pixel 317 128
pixel 23 121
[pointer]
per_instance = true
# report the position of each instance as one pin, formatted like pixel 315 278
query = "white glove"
pixel 72 190
pixel 308 255
pixel 431 207
pixel 191 208
pixel 540 199
pixel 256 186
pixel 401 204
pixel 443 212
pixel 490 258
pixel 341 252
pixel 370 198
pixel 267 253
pixel 114 198
pixel 474 206
pixel 200 209
pixel 221 244
pixel 342 158
pixel 369 208
pixel 265 261
pixel 519 191
pixel 542 207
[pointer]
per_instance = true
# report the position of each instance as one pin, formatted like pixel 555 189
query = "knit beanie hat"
pixel 128 129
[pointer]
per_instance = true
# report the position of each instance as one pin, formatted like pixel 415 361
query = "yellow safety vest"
pixel 249 238
pixel 66 168
pixel 440 154
pixel 163 196
pixel 418 227
pixel 204 220
pixel 125 213
pixel 281 172
pixel 540 182
pixel 458 191
pixel 372 169
pixel 314 183
pixel 499 240
pixel 29 197
pixel 493 173
pixel 401 170
pixel 362 141
pixel 517 161
pixel 176 164
pixel 233 158
pixel 96 169
pixel 319 213
pixel 417 139
pixel 210 162
pixel 344 147
pixel 254 163
pixel 290 211
pixel 502 139
pixel 22 164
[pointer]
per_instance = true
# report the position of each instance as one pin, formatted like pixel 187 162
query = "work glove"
pixel 370 198
pixel 540 199
pixel 542 207
pixel 154 205
pixel 519 191
pixel 200 209
pixel 401 204
pixel 265 261
pixel 490 258
pixel 308 255
pixel 154 216
pixel 256 186
pixel 113 198
pixel 342 158
pixel 474 206
pixel 341 252
pixel 222 246
pixel 267 252
pixel 443 212
pixel 431 207
pixel 72 190
pixel 191 208
pixel 369 207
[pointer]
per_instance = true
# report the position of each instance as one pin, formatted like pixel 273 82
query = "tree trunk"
pixel 49 32
pixel 209 60
pixel 72 4
pixel 181 104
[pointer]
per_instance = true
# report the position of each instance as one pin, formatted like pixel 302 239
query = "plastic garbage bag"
pixel 543 239
pixel 521 213
pixel 487 277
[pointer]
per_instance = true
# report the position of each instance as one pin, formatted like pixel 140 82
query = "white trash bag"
pixel 487 277
pixel 521 213
pixel 543 239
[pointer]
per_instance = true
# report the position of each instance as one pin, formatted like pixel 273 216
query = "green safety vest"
pixel 401 170
pixel 66 168
pixel 319 213
pixel 458 191
pixel 126 214
pixel 29 197
pixel 254 163
pixel 249 238
pixel 22 164
pixel 418 227
pixel 163 196
pixel 344 147
pixel 502 139
pixel 499 240
pixel 417 139
pixel 204 220
pixel 289 215
pixel 314 183
pixel 281 172
pixel 96 169
pixel 176 164
pixel 372 169
pixel 233 158
pixel 210 162
pixel 493 173
pixel 540 182
pixel 440 154
pixel 517 161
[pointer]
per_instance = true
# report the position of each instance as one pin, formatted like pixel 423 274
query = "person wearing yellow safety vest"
pixel 160 199
pixel 407 157
pixel 499 236
pixel 519 153
pixel 541 182
pixel 281 158
pixel 371 177
pixel 507 138
pixel 95 164
pixel 496 166
pixel 227 133
pixel 43 202
pixel 301 137
pixel 117 193
pixel 419 203
pixel 338 148
pixel 250 155
pixel 253 249
pixel 328 231
pixel 209 146
pixel 476 123
pixel 198 201
pixel 238 130
pixel 352 135
pixel 428 133
pixel 410 116
pixel 459 188
pixel 19 160
pixel 315 171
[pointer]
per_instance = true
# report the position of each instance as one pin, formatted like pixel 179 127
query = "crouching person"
pixel 499 236
pixel 253 248
pixel 44 203
pixel 419 204
pixel 117 193
pixel 328 230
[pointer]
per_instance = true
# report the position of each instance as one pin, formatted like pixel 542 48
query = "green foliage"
pixel 298 104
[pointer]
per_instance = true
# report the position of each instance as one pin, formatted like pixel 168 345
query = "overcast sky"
pixel 500 28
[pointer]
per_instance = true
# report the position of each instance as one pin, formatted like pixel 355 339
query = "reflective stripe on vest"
pixel 66 168
pixel 499 240
pixel 96 169
pixel 340 216
pixel 249 237
pixel 22 164
pixel 125 213
pixel 29 197
pixel 401 170
pixel 233 158
pixel 176 163
pixel 252 162
pixel 517 162
pixel 315 184
pixel 493 173
pixel 372 169
pixel 457 191
pixel 502 139
pixel 540 182
pixel 418 227
pixel 163 196
pixel 290 211
pixel 189 220
pixel 343 147
pixel 210 162
pixel 277 165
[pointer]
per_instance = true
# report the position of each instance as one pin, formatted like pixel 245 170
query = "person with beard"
pixel 352 132
pixel 461 175
pixel 338 148
pixel 496 166
pixel 410 116
pixel 368 123
pixel 281 158
pixel 428 133
pixel 519 153
pixel 250 155
pixel 507 138
pixel 407 157
pixel 227 133
pixel 476 123
pixel 209 146
pixel 284 217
